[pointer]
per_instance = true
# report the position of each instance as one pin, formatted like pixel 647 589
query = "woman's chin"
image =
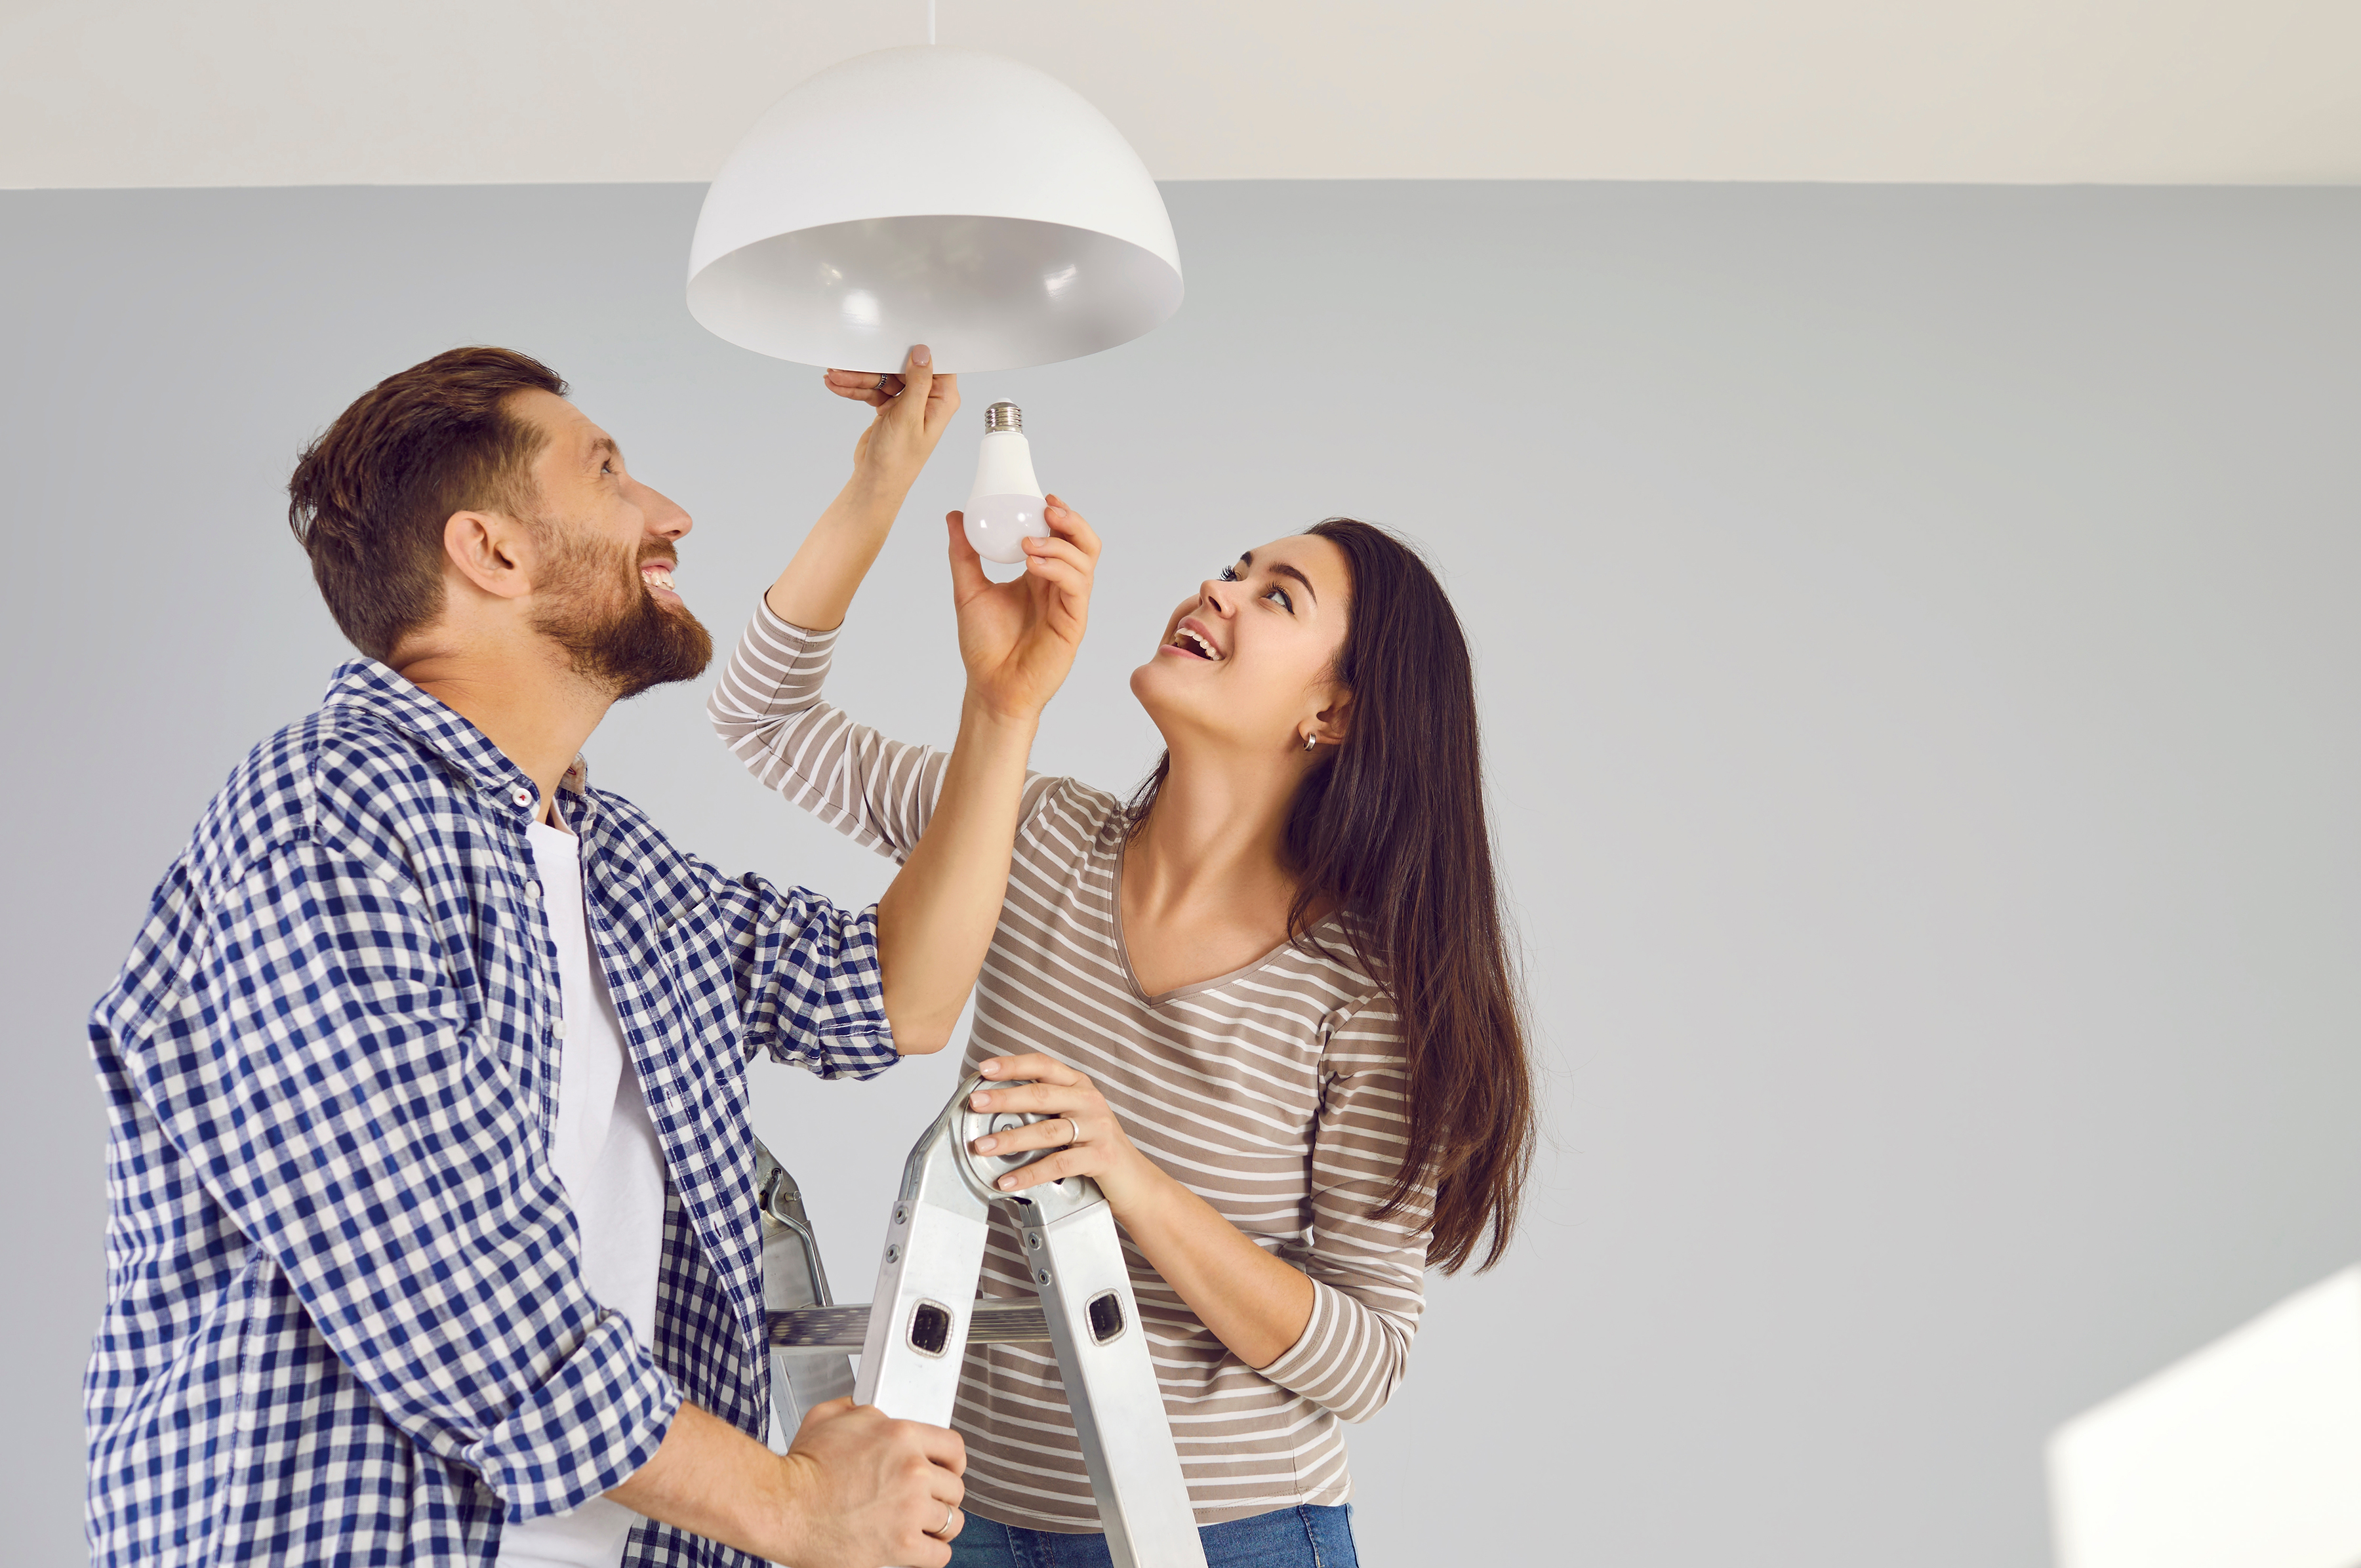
pixel 1160 695
pixel 1144 683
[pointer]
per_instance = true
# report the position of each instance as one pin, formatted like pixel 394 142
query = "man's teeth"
pixel 658 577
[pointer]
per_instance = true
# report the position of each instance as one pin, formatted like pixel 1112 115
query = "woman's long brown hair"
pixel 1390 828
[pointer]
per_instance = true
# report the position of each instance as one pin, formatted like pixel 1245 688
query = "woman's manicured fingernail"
pixel 922 356
pixel 1007 1182
pixel 988 1069
pixel 981 1101
pixel 985 1145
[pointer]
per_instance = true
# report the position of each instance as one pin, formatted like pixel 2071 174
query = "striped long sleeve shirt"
pixel 1275 1093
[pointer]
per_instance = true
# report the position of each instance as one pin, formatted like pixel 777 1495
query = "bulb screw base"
pixel 1003 415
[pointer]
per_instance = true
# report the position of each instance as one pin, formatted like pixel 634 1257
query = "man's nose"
pixel 666 518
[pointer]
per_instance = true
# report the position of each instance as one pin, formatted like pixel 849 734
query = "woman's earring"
pixel 1310 741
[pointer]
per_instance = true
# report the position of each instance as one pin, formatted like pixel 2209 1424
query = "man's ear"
pixel 490 550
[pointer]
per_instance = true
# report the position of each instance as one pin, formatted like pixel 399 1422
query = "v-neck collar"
pixel 1122 943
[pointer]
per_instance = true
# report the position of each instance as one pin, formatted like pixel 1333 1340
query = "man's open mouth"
pixel 658 574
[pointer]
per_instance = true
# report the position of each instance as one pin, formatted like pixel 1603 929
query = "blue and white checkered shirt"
pixel 346 1319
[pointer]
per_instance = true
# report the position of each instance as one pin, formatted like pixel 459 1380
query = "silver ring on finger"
pixel 943 1530
pixel 881 385
pixel 1075 1128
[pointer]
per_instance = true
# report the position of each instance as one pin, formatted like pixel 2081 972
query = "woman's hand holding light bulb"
pixel 1019 638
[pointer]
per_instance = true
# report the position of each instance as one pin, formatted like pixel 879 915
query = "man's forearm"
pixel 713 1480
pixel 935 922
pixel 858 1489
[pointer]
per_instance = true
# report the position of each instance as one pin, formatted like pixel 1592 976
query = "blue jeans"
pixel 1306 1536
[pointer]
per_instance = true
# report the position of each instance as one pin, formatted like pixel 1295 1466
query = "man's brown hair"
pixel 368 500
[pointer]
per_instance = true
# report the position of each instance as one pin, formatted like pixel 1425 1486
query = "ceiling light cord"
pixel 930 21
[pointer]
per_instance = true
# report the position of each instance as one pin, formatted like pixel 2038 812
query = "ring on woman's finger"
pixel 1073 1127
pixel 881 385
pixel 943 1530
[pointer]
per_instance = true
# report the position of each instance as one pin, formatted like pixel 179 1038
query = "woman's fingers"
pixel 1033 1065
pixel 863 386
pixel 967 567
pixel 938 396
pixel 1048 1099
pixel 1057 574
pixel 1056 548
pixel 1082 1135
pixel 916 377
pixel 1077 1161
pixel 942 402
pixel 1059 1131
pixel 1069 524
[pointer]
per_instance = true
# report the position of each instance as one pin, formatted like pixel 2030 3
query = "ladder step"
pixel 845 1328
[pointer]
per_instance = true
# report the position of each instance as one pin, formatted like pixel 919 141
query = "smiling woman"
pixel 1267 1003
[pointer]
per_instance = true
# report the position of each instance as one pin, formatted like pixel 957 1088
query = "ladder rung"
pixel 844 1328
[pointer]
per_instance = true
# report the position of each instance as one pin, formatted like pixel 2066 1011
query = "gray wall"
pixel 1918 647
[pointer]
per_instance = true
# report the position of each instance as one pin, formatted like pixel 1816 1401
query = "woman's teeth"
pixel 1186 639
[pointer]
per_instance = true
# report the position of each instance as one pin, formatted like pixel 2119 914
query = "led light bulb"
pixel 1005 509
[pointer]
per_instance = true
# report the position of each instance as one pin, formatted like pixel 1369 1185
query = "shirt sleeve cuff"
pixel 850 1035
pixel 587 1427
pixel 1336 1363
pixel 780 631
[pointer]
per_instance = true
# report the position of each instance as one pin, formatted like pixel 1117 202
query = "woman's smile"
pixel 1193 639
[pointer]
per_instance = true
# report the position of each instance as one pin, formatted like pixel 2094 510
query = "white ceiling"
pixel 112 92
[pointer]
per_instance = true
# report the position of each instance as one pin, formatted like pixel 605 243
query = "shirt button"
pixel 523 796
pixel 533 891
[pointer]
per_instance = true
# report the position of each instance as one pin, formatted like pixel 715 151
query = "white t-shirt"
pixel 606 1152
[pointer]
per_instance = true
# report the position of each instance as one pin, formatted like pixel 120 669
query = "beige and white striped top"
pixel 1273 1092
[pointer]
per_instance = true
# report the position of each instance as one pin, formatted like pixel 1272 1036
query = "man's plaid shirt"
pixel 345 1319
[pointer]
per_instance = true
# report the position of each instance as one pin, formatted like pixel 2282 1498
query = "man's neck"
pixel 527 702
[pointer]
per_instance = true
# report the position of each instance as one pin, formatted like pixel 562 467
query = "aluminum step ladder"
pixel 925 1314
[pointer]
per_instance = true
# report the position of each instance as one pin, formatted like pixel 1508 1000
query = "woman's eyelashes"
pixel 1230 574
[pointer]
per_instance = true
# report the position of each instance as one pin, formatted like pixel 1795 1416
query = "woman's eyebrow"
pixel 1281 569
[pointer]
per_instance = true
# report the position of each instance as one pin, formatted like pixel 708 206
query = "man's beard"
pixel 618 635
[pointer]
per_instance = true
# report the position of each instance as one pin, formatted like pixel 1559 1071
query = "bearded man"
pixel 432 1234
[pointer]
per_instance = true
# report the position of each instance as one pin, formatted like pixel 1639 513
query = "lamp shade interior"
pixel 984 293
pixel 840 235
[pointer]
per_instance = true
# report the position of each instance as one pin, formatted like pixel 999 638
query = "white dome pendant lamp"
pixel 933 195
